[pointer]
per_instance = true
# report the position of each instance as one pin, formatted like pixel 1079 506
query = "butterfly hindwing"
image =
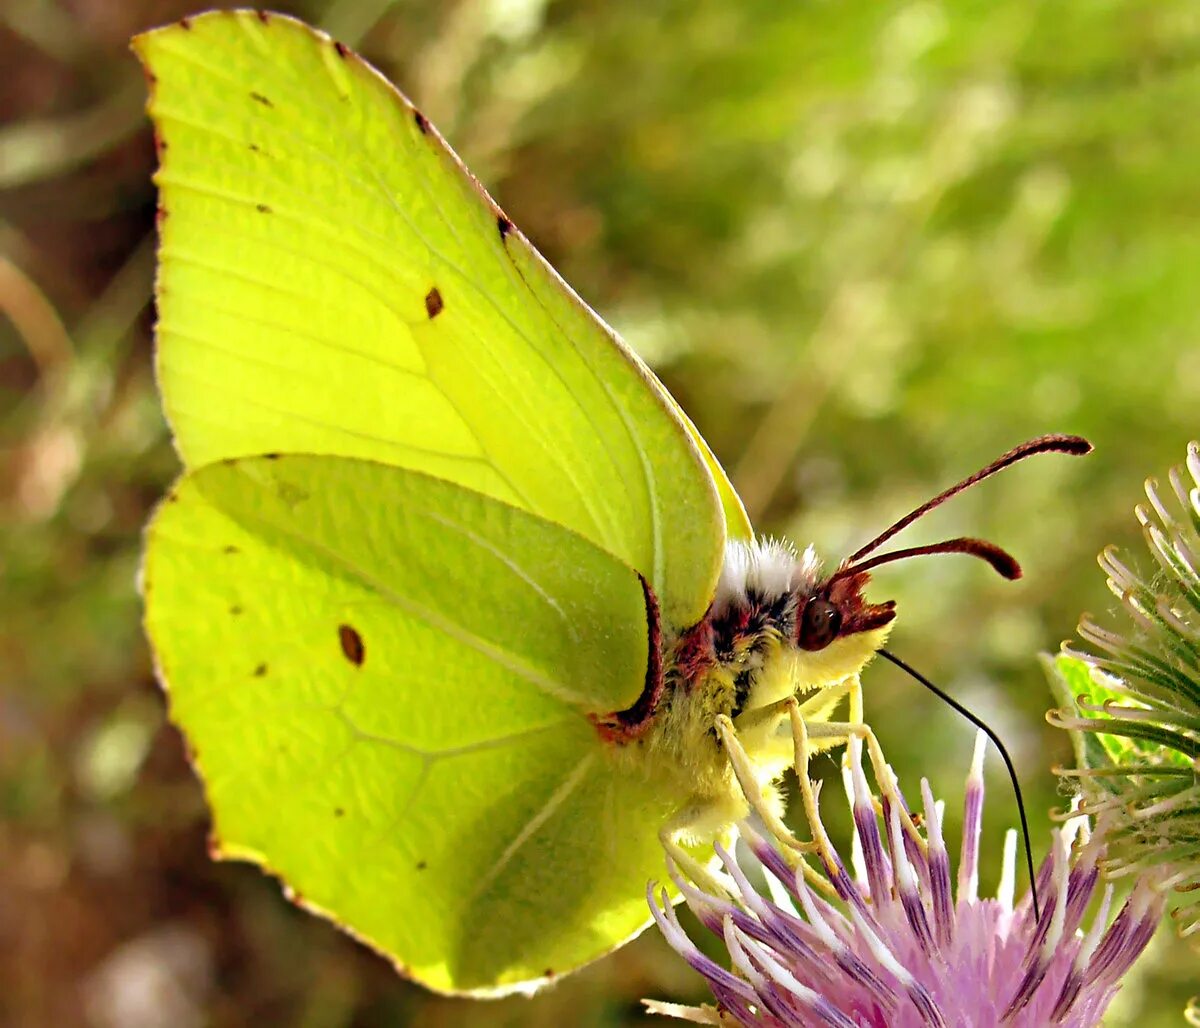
pixel 386 682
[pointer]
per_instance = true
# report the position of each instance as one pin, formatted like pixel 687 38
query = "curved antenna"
pixel 1003 562
pixel 1012 771
pixel 1072 444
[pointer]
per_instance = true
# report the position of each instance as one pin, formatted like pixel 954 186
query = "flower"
pixel 1132 700
pixel 897 944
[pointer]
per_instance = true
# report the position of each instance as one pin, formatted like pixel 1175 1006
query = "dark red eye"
pixel 819 625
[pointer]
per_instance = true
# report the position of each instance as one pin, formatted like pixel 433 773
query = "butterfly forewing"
pixel 333 281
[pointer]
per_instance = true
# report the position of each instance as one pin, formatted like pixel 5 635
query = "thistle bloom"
pixel 897 943
pixel 1132 701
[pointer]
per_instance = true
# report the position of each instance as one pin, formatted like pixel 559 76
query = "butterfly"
pixel 451 592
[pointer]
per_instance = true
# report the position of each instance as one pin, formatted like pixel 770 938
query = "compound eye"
pixel 819 625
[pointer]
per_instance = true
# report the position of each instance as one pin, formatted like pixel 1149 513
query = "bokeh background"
pixel 868 246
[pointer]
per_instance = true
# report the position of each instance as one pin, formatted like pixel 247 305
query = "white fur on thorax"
pixel 766 567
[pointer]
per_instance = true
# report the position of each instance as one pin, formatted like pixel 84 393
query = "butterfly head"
pixel 837 630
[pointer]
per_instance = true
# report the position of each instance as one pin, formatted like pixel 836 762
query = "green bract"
pixel 1131 699
pixel 396 583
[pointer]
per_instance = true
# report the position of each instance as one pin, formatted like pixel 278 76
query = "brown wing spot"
pixel 260 670
pixel 291 494
pixel 261 99
pixel 342 51
pixel 185 24
pixel 338 812
pixel 271 456
pixel 160 145
pixel 235 610
pixel 263 16
pixel 504 225
pixel 262 208
pixel 422 122
pixel 433 303
pixel 352 645
pixel 160 215
pixel 254 148
pixel 231 549
pixel 421 865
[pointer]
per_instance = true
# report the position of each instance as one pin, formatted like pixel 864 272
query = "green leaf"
pixel 385 680
pixel 1070 681
pixel 332 280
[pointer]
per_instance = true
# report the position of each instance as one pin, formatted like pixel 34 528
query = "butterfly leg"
pixel 756 742
pixel 759 747
pixel 763 798
pixel 764 735
pixel 825 734
pixel 749 775
pixel 820 704
pixel 708 817
pixel 689 824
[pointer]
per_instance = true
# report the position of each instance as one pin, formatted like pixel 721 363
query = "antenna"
pixel 1003 562
pixel 1071 444
pixel 1012 771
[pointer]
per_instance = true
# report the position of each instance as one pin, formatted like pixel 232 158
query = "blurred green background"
pixel 867 246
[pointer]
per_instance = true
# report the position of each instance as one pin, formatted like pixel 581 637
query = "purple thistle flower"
pixel 898 943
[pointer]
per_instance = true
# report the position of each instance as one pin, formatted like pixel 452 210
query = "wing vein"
pixel 553 454
pixel 509 563
pixel 605 527
pixel 337 124
pixel 658 556
pixel 245 354
pixel 497 654
pixel 530 828
pixel 430 757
